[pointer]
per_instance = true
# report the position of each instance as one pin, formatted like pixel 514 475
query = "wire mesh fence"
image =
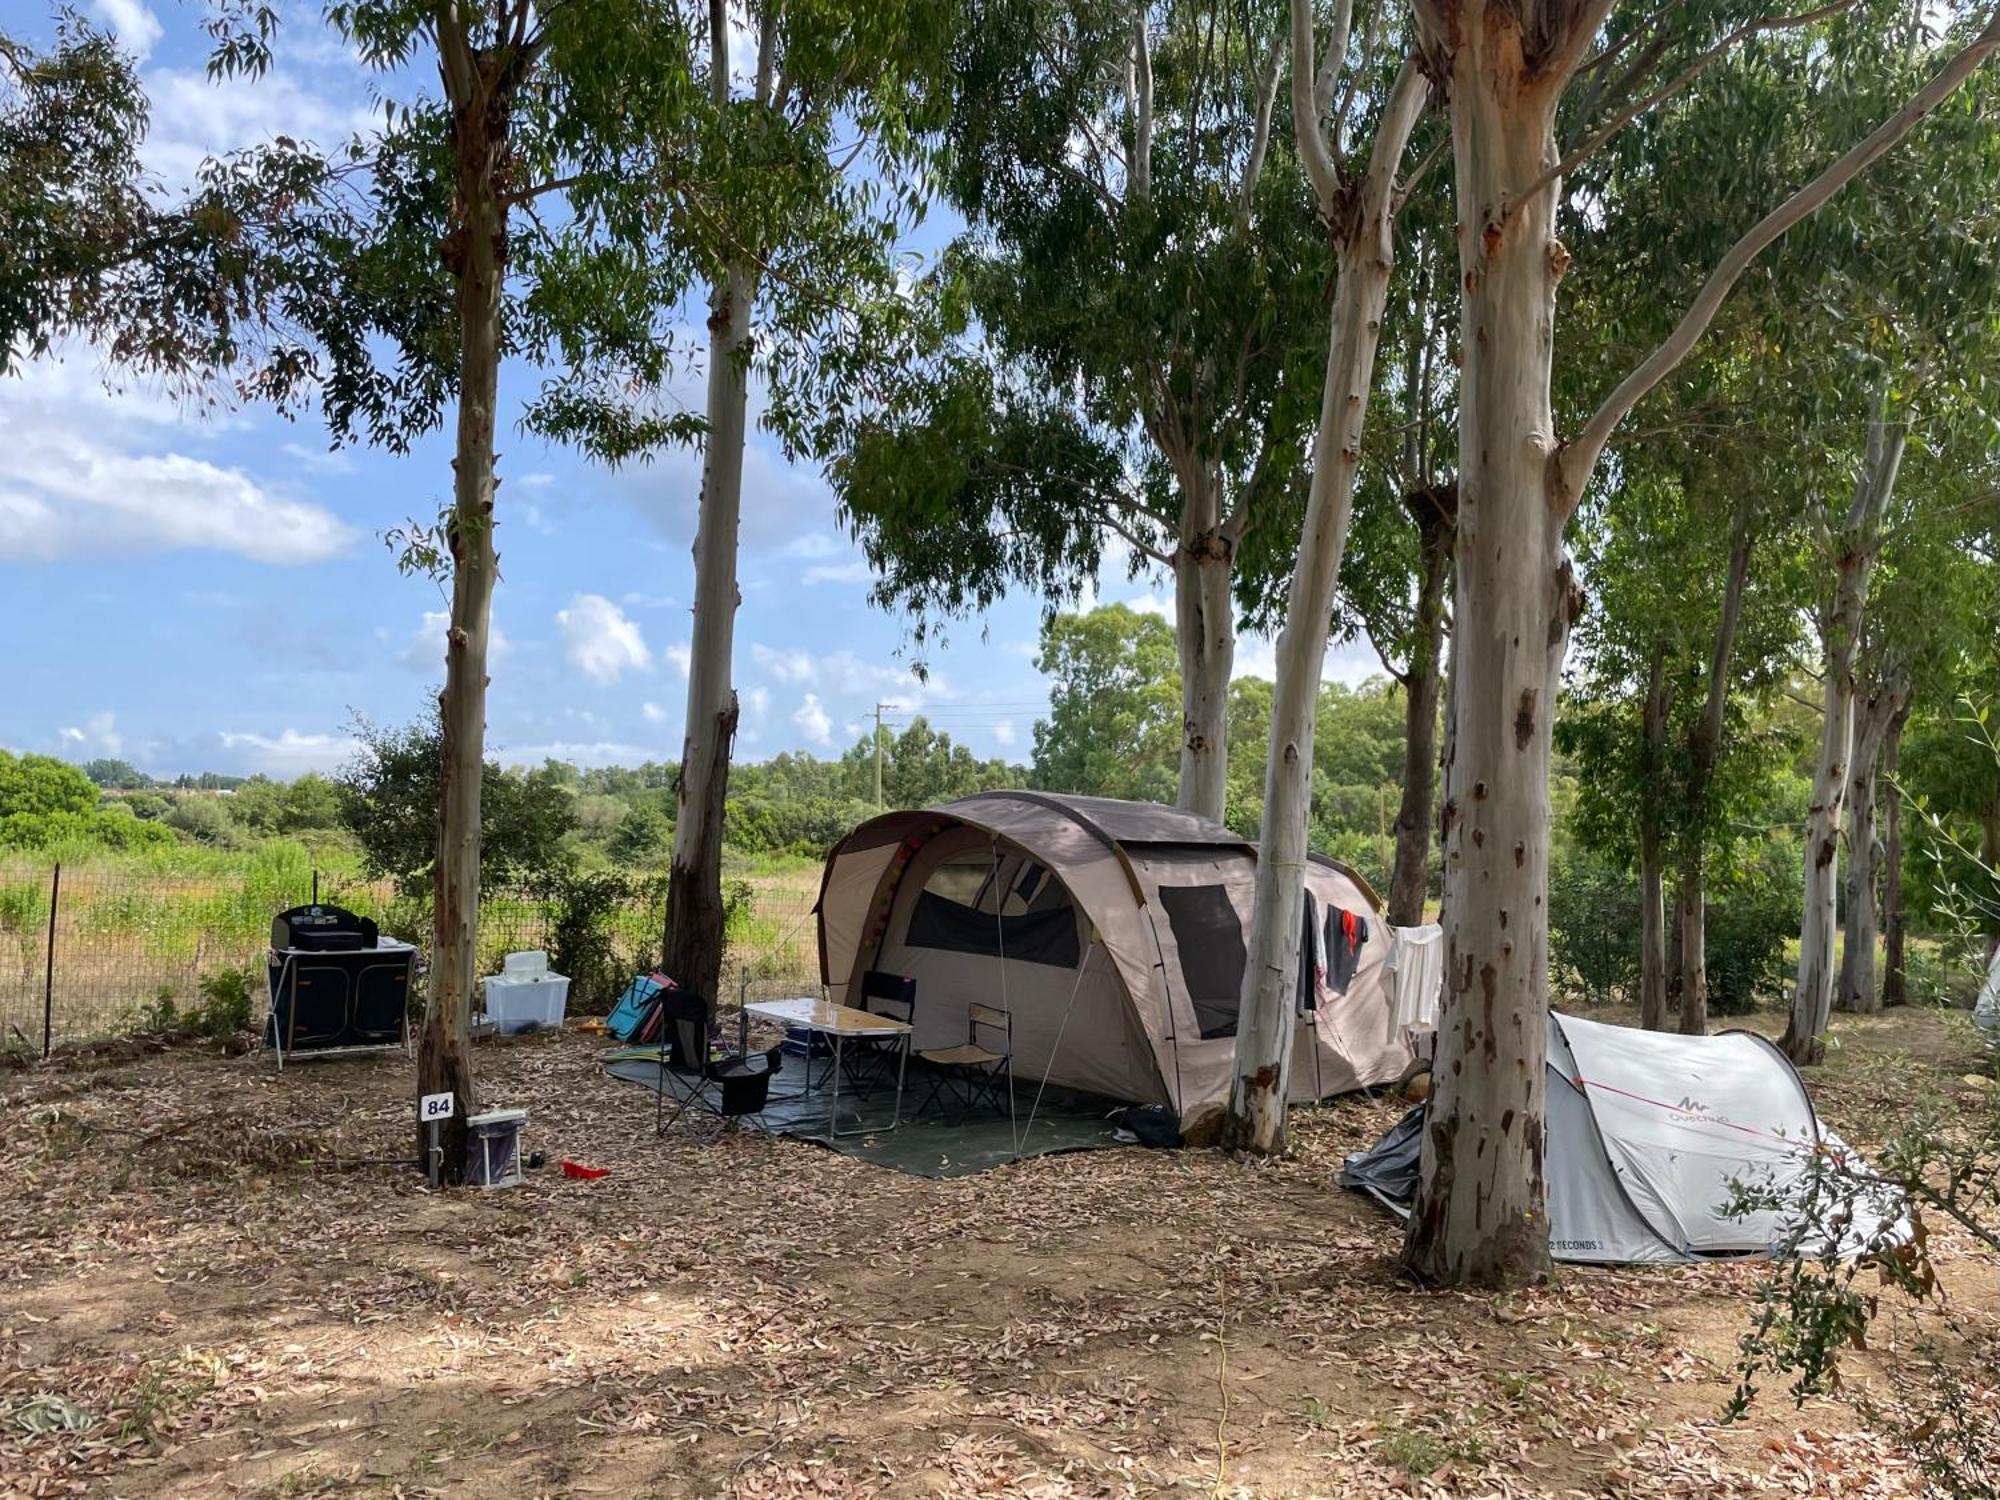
pixel 93 951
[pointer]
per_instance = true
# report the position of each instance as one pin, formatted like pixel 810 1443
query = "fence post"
pixel 49 973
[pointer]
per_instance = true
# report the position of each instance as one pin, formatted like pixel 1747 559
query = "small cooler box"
pixel 525 995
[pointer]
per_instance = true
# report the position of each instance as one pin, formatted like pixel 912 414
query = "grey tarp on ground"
pixel 1648 1136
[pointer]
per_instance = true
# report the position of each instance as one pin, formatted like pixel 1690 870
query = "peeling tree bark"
pixel 1855 550
pixel 1895 975
pixel 1480 1215
pixel 479 86
pixel 1704 751
pixel 1886 704
pixel 694 937
pixel 1434 509
pixel 1364 247
pixel 1479 1218
pixel 1205 633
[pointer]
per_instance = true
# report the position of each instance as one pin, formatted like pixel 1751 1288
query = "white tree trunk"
pixel 1652 879
pixel 1704 751
pixel 694 936
pixel 1858 989
pixel 473 254
pixel 1205 633
pixel 1266 1025
pixel 1480 1217
pixel 1856 547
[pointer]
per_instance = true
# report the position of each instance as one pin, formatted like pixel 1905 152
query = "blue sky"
pixel 201 589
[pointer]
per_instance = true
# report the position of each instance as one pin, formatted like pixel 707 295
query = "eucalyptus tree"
pixel 519 209
pixel 1358 196
pixel 795 243
pixel 1480 1214
pixel 1121 338
pixel 1687 637
pixel 1395 572
pixel 1931 606
pixel 155 280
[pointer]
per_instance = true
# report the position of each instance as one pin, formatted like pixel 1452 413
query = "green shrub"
pixel 1593 928
pixel 228 1001
pixel 1753 914
pixel 583 934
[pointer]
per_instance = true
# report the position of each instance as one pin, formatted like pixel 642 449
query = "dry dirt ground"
pixel 207 1290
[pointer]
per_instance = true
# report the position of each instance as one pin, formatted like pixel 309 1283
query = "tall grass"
pixel 131 927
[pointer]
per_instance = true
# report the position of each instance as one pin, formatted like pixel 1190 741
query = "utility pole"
pixel 878 756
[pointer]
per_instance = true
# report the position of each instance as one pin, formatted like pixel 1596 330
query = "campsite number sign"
pixel 435 1107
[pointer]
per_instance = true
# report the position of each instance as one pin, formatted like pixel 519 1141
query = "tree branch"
pixel 1574 461
pixel 1142 121
pixel 1132 540
pixel 1334 59
pixel 1595 142
pixel 1320 170
pixel 1260 134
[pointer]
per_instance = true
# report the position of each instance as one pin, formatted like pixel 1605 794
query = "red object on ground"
pixel 578 1169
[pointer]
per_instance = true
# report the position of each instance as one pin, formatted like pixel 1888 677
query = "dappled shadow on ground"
pixel 222 1294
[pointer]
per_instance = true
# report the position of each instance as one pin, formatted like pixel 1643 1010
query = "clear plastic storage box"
pixel 526 995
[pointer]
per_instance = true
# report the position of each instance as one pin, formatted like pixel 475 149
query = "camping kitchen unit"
pixel 337 985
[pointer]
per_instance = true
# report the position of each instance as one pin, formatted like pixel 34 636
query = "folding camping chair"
pixel 975 1071
pixel 876 1059
pixel 727 1087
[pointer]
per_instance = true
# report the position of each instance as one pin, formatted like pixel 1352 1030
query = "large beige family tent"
pixel 1115 934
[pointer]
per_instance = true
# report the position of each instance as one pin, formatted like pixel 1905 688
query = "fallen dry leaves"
pixel 209 1284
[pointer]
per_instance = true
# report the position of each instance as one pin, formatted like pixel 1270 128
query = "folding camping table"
pixel 823 1018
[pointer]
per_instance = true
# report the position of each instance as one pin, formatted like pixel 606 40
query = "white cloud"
pixel 326 460
pixel 813 544
pixel 1150 603
pixel 195 119
pixel 87 474
pixel 841 675
pixel 847 572
pixel 97 736
pixel 289 753
pixel 1352 664
pixel 425 651
pixel 1003 732
pixel 68 496
pixel 535 481
pixel 795 667
pixel 654 713
pixel 756 704
pixel 602 642
pixel 813 721
pixel 636 600
pixel 680 655
pixel 137 27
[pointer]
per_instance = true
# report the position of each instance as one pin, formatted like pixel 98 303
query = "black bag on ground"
pixel 1151 1125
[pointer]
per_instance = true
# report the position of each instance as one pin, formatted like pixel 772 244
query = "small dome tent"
pixel 1649 1136
pixel 1116 935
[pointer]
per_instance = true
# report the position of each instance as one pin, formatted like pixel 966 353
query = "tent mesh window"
pixel 1209 935
pixel 1012 905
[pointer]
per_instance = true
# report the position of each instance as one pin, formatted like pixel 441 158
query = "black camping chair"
pixel 727 1087
pixel 875 1058
pixel 976 1071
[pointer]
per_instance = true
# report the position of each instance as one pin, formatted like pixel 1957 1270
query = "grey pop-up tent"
pixel 1115 934
pixel 1649 1136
